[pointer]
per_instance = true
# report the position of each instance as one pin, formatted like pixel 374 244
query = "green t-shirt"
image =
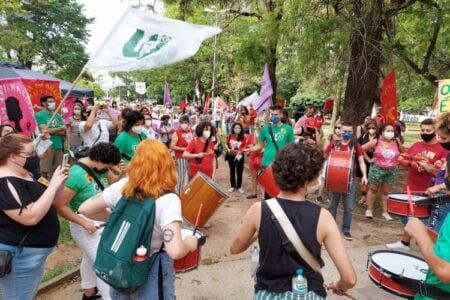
pixel 83 185
pixel 282 134
pixel 42 118
pixel 442 250
pixel 127 144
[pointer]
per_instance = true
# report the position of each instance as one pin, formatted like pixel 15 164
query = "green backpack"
pixel 129 226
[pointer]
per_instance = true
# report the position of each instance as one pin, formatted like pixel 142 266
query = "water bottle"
pixel 254 261
pixel 141 254
pixel 299 283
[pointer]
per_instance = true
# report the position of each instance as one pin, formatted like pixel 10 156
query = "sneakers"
pixel 368 213
pixel 230 190
pixel 240 190
pixel 398 246
pixel 348 236
pixel 386 216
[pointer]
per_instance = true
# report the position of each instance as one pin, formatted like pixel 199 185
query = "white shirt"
pixel 90 136
pixel 167 210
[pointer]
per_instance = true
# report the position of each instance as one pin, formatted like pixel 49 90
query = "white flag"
pixel 141 40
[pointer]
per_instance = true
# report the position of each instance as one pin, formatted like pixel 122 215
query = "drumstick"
pixel 410 200
pixel 197 219
pixel 349 296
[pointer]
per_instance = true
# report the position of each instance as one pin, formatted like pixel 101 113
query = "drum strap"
pixel 273 139
pixel 289 237
pixel 421 287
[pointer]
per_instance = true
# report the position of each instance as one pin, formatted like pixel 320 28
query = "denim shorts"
pixel 27 269
pixel 378 175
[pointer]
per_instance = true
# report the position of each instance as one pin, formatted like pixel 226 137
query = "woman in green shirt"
pixel 132 134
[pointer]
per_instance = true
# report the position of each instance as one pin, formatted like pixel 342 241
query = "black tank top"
pixel 277 267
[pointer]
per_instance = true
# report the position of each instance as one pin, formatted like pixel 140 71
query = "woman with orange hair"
pixel 151 173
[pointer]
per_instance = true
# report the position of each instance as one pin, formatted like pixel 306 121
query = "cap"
pixel 310 122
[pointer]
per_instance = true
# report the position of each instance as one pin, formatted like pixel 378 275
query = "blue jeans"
pixel 438 215
pixel 149 291
pixel 27 269
pixel 348 201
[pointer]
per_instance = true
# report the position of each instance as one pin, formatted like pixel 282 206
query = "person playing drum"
pixel 347 143
pixel 272 138
pixel 296 169
pixel 426 153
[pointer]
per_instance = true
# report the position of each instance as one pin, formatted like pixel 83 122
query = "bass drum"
pixel 339 171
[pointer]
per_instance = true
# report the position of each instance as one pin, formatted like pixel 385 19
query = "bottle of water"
pixel 299 283
pixel 254 258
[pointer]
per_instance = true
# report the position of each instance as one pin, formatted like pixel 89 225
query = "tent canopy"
pixel 78 91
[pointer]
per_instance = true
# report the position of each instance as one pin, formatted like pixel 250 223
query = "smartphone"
pixel 65 160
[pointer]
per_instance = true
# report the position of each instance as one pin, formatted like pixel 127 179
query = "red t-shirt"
pixel 206 164
pixel 319 121
pixel 184 137
pixel 252 114
pixel 342 147
pixel 420 181
pixel 235 145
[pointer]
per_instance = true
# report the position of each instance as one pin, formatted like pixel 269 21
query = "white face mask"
pixel 184 126
pixel 206 134
pixel 372 131
pixel 389 135
pixel 313 188
pixel 337 131
pixel 77 112
pixel 137 129
pixel 148 123
pixel 237 130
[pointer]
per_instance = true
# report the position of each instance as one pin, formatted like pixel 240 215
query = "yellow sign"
pixel 444 96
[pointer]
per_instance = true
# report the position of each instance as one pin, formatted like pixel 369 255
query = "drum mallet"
pixel 410 200
pixel 197 219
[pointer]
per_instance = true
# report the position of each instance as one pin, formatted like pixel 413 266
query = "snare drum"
pixel 201 190
pixel 265 179
pixel 394 271
pixel 192 259
pixel 339 171
pixel 398 204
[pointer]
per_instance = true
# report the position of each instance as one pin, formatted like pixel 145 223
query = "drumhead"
pixel 187 232
pixel 397 263
pixel 404 197
pixel 212 183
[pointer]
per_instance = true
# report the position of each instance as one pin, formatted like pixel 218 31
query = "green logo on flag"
pixel 137 47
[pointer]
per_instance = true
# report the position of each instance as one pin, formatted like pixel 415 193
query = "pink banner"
pixel 16 108
pixel 67 109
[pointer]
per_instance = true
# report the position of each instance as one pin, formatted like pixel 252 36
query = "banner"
pixel 16 108
pixel 67 109
pixel 141 40
pixel 207 103
pixel 389 99
pixel 266 92
pixel 443 96
pixel 140 88
pixel 37 88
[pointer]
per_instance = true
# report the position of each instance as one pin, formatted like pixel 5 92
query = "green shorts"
pixel 379 176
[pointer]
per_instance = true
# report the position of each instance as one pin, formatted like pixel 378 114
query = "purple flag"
pixel 166 99
pixel 266 92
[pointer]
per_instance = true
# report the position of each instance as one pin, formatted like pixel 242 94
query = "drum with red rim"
pixel 398 204
pixel 265 179
pixel 192 259
pixel 392 271
pixel 339 171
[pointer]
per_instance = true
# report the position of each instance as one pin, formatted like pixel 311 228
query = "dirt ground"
pixel 223 276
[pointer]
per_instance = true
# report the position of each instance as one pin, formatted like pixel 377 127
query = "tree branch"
pixel 400 5
pixel 245 14
pixel 436 28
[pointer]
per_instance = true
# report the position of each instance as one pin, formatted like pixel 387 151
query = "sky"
pixel 106 14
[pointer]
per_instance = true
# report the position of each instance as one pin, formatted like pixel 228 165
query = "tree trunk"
pixel 364 69
pixel 274 9
pixel 272 65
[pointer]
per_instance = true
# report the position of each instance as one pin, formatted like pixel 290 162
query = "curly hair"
pixel 202 125
pixel 151 171
pixel 132 118
pixel 106 153
pixel 296 164
pixel 444 123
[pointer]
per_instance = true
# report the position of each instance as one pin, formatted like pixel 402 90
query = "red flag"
pixel 37 88
pixel 182 104
pixel 207 103
pixel 389 99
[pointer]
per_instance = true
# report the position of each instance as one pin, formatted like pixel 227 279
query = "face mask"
pixel 51 106
pixel 313 188
pixel 446 145
pixel 372 131
pixel 31 164
pixel 346 135
pixel 148 123
pixel 274 119
pixel 77 112
pixel 206 134
pixel 389 135
pixel 137 129
pixel 426 137
pixel 283 120
pixel 184 126
pixel 337 131
pixel 237 130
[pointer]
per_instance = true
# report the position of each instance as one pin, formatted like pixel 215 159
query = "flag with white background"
pixel 142 40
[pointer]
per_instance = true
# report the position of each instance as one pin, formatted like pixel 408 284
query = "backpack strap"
pixel 271 136
pixel 91 173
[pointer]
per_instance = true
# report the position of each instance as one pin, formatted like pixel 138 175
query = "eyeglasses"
pixel 27 154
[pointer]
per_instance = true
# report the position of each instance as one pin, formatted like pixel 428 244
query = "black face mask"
pixel 446 146
pixel 100 171
pixel 283 120
pixel 31 164
pixel 426 137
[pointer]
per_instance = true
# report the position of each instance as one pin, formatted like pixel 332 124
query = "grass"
pixel 64 234
pixel 59 270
